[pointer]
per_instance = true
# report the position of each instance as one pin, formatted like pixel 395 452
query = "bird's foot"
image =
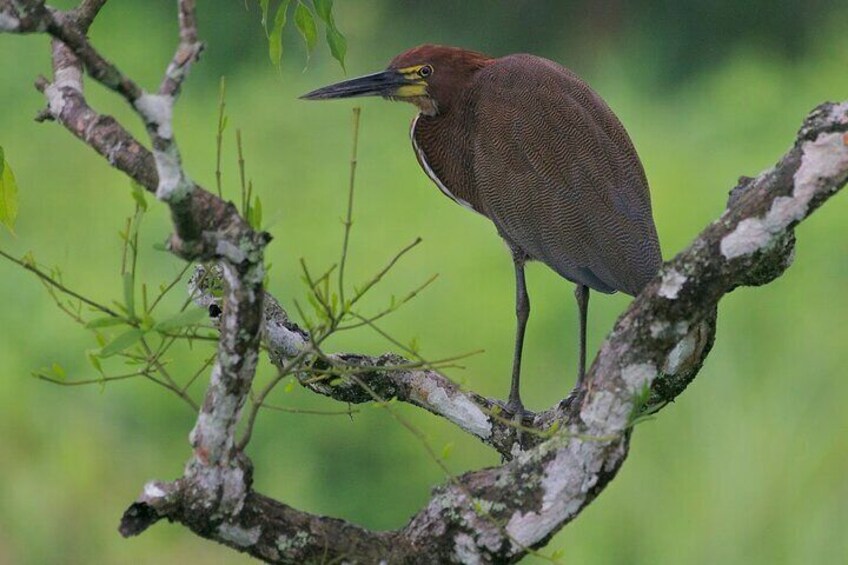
pixel 515 409
pixel 519 419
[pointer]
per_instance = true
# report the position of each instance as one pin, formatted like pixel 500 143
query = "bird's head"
pixel 429 76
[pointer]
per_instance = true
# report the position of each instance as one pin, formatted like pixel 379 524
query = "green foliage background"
pixel 748 466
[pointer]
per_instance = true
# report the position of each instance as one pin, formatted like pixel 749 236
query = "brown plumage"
pixel 526 143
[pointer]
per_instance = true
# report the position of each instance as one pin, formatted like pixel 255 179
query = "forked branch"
pixel 494 515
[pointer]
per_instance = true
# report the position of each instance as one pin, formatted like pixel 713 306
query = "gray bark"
pixel 493 515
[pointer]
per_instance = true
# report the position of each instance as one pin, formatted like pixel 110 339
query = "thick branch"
pixel 342 376
pixel 661 342
pixel 657 346
pixel 217 479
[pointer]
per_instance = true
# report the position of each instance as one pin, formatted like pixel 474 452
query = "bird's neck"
pixel 444 154
pixel 426 105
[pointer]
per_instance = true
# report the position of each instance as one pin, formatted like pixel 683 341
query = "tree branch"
pixel 494 515
pixel 660 342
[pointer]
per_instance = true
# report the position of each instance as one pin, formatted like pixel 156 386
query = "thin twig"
pixel 200 371
pixel 391 308
pixel 380 274
pixel 46 278
pixel 348 412
pixel 282 373
pixel 170 286
pixel 100 380
pixel 241 172
pixel 220 137
pixel 349 219
pixel 160 367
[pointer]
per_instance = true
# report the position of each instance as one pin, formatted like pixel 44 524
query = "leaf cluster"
pixel 306 18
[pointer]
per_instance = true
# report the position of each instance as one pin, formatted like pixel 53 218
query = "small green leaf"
pixel 324 9
pixel 59 371
pixel 129 294
pixel 335 39
pixel 122 342
pixel 338 44
pixel 138 195
pixel 147 322
pixel 264 4
pixel 305 23
pixel 94 361
pixel 313 301
pixel 255 218
pixel 447 450
pixel 181 320
pixel 558 554
pixel 275 39
pixel 289 386
pixel 8 195
pixel 105 322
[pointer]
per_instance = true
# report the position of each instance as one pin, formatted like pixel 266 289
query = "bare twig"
pixel 59 286
pixel 348 222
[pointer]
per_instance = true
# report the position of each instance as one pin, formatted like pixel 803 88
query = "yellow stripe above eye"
pixel 413 70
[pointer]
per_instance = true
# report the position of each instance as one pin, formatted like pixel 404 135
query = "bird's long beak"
pixel 384 83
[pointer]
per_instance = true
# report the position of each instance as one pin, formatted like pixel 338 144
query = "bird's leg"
pixel 522 312
pixel 581 293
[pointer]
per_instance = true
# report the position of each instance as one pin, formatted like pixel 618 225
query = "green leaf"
pixel 138 195
pixel 324 9
pixel 264 4
pixel 105 322
pixel 255 218
pixel 447 450
pixel 275 39
pixel 129 294
pixel 181 320
pixel 147 322
pixel 28 259
pixel 59 371
pixel 335 39
pixel 8 195
pixel 338 44
pixel 122 342
pixel 305 23
pixel 94 361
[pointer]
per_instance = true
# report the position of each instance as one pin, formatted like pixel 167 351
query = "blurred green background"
pixel 749 466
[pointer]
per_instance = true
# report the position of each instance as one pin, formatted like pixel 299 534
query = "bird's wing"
pixel 557 173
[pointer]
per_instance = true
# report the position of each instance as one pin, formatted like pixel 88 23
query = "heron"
pixel 529 145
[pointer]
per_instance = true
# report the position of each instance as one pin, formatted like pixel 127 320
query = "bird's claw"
pixel 517 413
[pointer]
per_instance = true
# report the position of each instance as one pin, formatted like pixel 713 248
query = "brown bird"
pixel 529 145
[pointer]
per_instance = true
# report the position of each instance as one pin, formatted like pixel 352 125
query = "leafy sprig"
pixel 306 18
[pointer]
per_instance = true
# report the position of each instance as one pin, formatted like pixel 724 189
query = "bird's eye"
pixel 425 71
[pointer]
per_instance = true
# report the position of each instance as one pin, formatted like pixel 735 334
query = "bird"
pixel 529 145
